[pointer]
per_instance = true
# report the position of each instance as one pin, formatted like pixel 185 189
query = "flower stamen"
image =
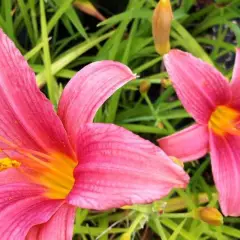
pixel 6 163
pixel 53 171
pixel 225 120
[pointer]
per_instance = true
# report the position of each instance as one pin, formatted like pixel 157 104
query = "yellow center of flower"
pixel 225 120
pixel 52 171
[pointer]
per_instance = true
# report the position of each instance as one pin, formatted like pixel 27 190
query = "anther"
pixel 6 163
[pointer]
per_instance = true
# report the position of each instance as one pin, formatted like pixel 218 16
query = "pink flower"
pixel 54 163
pixel 214 103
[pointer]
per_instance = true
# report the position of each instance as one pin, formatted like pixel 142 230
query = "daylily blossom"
pixel 214 103
pixel 54 162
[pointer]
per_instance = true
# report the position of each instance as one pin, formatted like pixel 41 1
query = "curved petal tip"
pixel 88 90
pixel 189 144
pixel 209 87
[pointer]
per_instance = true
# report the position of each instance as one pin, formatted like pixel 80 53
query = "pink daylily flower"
pixel 52 163
pixel 214 103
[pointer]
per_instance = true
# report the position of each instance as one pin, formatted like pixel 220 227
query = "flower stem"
pixel 159 227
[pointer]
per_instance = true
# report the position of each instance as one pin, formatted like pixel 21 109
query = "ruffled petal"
pixel 119 168
pixel 235 83
pixel 88 90
pixel 199 86
pixel 27 117
pixel 21 207
pixel 225 156
pixel 59 227
pixel 188 144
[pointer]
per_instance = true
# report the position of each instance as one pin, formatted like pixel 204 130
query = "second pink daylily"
pixel 214 103
pixel 51 162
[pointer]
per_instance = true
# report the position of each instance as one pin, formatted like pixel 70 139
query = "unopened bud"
pixel 144 86
pixel 160 125
pixel 166 82
pixel 161 25
pixel 87 7
pixel 125 236
pixel 209 215
pixel 177 161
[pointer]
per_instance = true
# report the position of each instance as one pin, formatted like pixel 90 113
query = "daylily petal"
pixel 199 86
pixel 235 83
pixel 225 156
pixel 189 144
pixel 236 69
pixel 119 168
pixel 12 175
pixel 59 227
pixel 12 193
pixel 21 207
pixel 88 90
pixel 27 117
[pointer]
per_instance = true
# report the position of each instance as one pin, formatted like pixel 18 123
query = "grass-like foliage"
pixel 58 39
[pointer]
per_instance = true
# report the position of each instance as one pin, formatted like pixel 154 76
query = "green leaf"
pixel 128 15
pixel 73 17
pixel 24 10
pixel 189 43
pixel 176 232
pixel 34 51
pixel 233 232
pixel 235 28
pixel 71 55
pixel 58 14
pixel 51 84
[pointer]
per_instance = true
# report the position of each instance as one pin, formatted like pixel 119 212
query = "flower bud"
pixel 144 86
pixel 209 215
pixel 160 125
pixel 166 82
pixel 87 7
pixel 161 25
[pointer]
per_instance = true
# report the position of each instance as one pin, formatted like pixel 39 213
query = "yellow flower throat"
pixel 225 120
pixel 56 175
pixel 53 171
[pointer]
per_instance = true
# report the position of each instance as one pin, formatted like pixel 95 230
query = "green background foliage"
pixel 58 40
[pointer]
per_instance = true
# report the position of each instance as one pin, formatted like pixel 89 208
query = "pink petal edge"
pixel 119 168
pixel 199 86
pixel 189 144
pixel 225 157
pixel 21 207
pixel 58 227
pixel 235 83
pixel 88 90
pixel 236 69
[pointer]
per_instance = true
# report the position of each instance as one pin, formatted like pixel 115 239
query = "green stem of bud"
pixel 140 219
